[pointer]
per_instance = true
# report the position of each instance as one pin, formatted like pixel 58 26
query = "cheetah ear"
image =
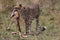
pixel 20 5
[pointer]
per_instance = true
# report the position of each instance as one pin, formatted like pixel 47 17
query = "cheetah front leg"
pixel 28 26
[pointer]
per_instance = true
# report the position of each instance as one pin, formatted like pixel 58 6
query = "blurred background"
pixel 49 17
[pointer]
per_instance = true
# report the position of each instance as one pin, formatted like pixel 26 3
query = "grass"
pixel 49 18
pixel 52 32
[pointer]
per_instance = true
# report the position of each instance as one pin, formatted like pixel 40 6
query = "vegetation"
pixel 49 17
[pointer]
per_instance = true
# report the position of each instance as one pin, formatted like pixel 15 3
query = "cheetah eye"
pixel 15 10
pixel 23 7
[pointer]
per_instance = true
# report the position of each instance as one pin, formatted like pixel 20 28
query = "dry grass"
pixel 49 18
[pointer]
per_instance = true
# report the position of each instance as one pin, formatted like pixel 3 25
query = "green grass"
pixel 51 21
pixel 49 18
